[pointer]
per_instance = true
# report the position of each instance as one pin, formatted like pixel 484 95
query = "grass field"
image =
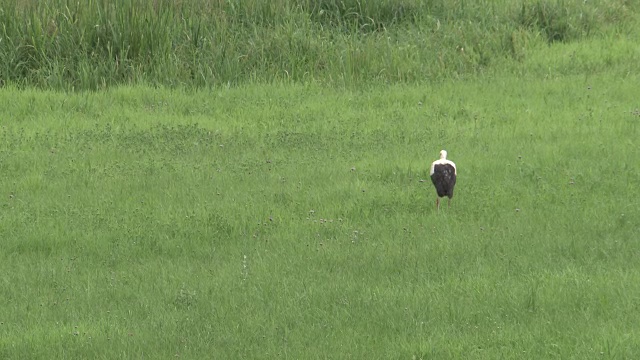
pixel 249 180
pixel 290 222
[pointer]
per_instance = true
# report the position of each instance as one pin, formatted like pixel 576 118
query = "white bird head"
pixel 443 154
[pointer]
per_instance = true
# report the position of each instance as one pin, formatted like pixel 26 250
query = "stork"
pixel 443 175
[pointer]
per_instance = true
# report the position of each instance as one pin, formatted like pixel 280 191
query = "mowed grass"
pixel 271 221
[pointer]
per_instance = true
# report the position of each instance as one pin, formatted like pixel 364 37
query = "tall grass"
pixel 96 44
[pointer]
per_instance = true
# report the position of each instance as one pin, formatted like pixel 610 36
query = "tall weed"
pixel 98 43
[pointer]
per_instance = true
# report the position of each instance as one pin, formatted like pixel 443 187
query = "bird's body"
pixel 443 175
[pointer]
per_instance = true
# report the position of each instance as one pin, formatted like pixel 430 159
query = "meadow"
pixel 145 214
pixel 290 221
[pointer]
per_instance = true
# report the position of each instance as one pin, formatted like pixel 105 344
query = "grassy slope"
pixel 231 223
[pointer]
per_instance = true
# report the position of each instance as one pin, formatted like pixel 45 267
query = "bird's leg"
pixel 449 203
pixel 438 203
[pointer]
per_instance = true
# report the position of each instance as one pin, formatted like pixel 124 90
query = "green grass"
pixel 97 44
pixel 288 221
pixel 243 179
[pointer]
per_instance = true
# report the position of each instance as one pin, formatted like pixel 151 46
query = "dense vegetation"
pixel 94 44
